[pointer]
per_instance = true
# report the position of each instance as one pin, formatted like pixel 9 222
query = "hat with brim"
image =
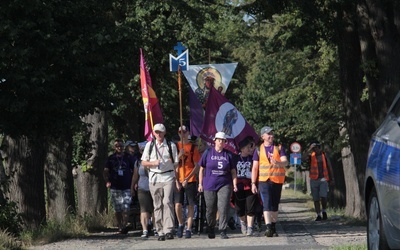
pixel 130 143
pixel 220 135
pixel 265 130
pixel 159 127
pixel 183 128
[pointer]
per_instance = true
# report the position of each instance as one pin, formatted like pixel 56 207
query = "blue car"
pixel 382 183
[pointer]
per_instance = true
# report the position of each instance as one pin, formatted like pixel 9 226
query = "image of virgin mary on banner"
pixel 222 116
pixel 202 77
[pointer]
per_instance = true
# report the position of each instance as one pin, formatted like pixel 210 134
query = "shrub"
pixel 10 220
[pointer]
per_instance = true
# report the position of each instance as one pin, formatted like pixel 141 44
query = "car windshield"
pixel 389 131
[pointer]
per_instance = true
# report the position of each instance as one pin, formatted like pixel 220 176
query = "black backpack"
pixel 153 142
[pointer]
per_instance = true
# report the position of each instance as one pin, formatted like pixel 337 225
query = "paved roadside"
pixel 296 228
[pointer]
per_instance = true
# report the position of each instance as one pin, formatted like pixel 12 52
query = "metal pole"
pixel 180 110
pixel 295 173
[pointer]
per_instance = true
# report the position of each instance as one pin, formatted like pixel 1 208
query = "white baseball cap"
pixel 159 127
pixel 220 135
pixel 183 128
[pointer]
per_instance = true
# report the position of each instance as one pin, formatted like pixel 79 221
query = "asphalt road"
pixel 296 228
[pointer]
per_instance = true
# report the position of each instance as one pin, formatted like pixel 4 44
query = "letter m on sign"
pixel 182 60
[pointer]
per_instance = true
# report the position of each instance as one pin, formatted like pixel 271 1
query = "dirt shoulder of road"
pixel 297 220
pixel 296 228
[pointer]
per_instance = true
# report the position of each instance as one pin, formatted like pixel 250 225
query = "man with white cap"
pixel 217 178
pixel 187 183
pixel 269 163
pixel 161 158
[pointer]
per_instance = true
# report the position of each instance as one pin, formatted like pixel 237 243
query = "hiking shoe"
pixel 145 234
pixel 269 232
pixel 124 230
pixel 249 231
pixel 324 216
pixel 179 232
pixel 243 227
pixel 274 233
pixel 318 218
pixel 211 233
pixel 169 236
pixel 188 234
pixel 223 235
pixel 161 238
pixel 231 223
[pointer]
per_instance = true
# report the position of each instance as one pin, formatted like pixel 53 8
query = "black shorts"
pixel 145 201
pixel 191 193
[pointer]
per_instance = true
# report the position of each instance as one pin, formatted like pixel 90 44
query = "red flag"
pixel 151 105
pixel 222 116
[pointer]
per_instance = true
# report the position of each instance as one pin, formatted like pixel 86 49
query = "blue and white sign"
pixel 182 60
pixel 295 159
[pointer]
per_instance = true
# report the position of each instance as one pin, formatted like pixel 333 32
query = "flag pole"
pixel 180 112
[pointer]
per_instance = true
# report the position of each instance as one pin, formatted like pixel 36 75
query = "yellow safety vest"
pixel 267 171
pixel 314 167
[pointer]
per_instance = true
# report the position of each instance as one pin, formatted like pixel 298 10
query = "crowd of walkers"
pixel 186 186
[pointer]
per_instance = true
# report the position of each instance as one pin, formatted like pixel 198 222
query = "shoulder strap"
pixel 170 150
pixel 151 148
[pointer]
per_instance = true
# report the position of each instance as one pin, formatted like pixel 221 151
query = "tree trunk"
pixel 354 205
pixel 92 192
pixel 357 112
pixel 3 178
pixel 337 192
pixel 381 27
pixel 59 181
pixel 25 161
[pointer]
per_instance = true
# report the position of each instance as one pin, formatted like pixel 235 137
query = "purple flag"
pixel 196 114
pixel 222 116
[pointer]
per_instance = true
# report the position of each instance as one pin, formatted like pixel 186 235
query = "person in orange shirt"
pixel 187 169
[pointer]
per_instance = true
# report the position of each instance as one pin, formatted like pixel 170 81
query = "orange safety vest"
pixel 314 167
pixel 266 171
pixel 190 159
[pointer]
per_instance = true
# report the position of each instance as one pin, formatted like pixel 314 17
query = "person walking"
pixel 118 173
pixel 160 157
pixel 269 162
pixel 321 175
pixel 187 183
pixel 140 184
pixel 245 200
pixel 217 177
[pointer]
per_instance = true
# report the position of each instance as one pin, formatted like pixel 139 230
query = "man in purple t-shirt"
pixel 216 176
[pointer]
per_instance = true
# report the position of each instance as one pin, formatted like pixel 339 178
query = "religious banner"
pixel 202 77
pixel 222 116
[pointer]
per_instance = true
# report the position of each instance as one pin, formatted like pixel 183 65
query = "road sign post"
pixel 295 159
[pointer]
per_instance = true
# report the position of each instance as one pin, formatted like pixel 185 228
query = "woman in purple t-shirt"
pixel 216 177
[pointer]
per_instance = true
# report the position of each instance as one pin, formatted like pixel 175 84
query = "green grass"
pixel 71 227
pixel 7 241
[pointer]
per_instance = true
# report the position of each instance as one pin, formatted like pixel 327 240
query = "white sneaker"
pixel 243 227
pixel 249 231
pixel 145 234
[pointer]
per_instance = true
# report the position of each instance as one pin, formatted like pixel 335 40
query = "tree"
pixel 56 68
